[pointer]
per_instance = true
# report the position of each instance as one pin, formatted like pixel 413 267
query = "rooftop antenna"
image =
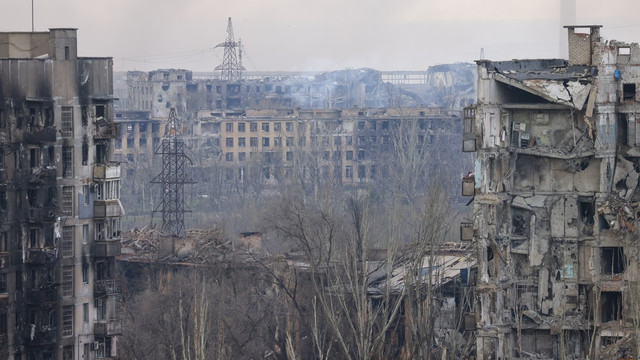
pixel 481 53
pixel 32 27
pixel 230 69
pixel 173 177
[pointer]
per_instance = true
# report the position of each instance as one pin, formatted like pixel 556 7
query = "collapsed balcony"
pixel 40 335
pixel 106 130
pixel 39 134
pixel 42 297
pixel 40 256
pixel 38 215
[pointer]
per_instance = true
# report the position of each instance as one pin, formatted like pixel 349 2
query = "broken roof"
pixel 551 79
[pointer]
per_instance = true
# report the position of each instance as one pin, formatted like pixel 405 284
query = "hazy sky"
pixel 298 35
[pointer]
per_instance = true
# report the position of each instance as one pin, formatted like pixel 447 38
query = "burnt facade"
pixel 59 200
pixel 556 201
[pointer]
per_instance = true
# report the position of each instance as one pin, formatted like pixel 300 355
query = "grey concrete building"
pixel 556 202
pixel 59 200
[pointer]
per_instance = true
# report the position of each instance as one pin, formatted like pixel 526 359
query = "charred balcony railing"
pixel 44 174
pixel 107 287
pixel 107 248
pixel 110 327
pixel 39 134
pixel 107 208
pixel 102 172
pixel 106 130
pixel 41 296
pixel 40 335
pixel 44 214
pixel 40 256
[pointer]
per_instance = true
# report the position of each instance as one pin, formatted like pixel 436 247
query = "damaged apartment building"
pixel 59 200
pixel 348 147
pixel 556 202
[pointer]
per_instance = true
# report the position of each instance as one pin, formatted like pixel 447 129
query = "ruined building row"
pixel 450 87
pixel 350 146
pixel 59 200
pixel 556 202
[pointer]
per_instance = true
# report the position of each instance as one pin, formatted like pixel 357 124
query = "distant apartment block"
pixel 348 146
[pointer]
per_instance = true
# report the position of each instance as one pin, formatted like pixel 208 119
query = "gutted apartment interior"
pixel 556 202
pixel 58 192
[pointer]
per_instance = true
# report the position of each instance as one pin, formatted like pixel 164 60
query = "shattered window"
pixel 67 121
pixel 67 325
pixel 349 155
pixel 611 306
pixel 67 200
pixel 67 281
pixel 67 161
pixel 348 171
pixel 628 92
pixel 612 260
pixel 361 172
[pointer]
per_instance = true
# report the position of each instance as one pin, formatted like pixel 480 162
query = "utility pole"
pixel 173 177
pixel 231 68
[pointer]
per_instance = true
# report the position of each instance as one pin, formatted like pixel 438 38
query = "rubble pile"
pixel 619 214
pixel 197 246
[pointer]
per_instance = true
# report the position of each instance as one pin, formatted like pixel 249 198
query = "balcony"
pixel 38 134
pixel 107 287
pixel 40 335
pixel 108 327
pixel 466 231
pixel 107 208
pixel 43 174
pixel 468 135
pixel 106 248
pixel 40 256
pixel 109 171
pixel 106 130
pixel 38 215
pixel 41 297
pixel 468 186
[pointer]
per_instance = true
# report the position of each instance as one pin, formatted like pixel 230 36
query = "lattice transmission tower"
pixel 231 68
pixel 173 177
